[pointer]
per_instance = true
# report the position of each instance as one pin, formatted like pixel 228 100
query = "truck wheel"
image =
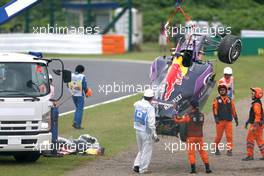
pixel 229 49
pixel 27 157
pixel 183 132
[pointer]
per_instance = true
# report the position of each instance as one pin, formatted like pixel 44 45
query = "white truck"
pixel 25 105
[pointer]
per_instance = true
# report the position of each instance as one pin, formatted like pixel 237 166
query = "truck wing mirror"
pixel 66 76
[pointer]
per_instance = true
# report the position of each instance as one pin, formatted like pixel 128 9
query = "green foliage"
pixel 3 2
pixel 238 14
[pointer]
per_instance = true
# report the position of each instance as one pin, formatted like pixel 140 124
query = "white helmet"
pixel 50 76
pixel 149 93
pixel 228 71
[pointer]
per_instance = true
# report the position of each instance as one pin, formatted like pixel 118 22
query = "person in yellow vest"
pixel 78 89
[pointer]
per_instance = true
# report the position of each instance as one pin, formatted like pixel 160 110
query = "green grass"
pixel 112 123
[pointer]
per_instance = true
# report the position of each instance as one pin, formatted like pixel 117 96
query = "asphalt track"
pixel 102 76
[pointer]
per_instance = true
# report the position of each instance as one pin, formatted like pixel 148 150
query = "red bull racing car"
pixel 184 76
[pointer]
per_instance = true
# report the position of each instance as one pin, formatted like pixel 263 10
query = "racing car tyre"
pixel 229 49
pixel 183 132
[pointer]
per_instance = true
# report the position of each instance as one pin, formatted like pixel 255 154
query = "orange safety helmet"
pixel 258 92
pixel 221 85
pixel 88 92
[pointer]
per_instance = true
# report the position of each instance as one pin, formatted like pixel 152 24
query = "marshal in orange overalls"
pixel 224 112
pixel 195 121
pixel 255 131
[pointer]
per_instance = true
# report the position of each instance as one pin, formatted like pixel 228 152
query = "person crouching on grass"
pixel 195 121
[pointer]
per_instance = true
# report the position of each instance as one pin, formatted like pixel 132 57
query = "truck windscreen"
pixel 23 79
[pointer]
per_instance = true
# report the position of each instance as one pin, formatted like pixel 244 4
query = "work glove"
pixel 216 120
pixel 236 120
pixel 175 118
pixel 246 125
pixel 155 137
pixel 254 128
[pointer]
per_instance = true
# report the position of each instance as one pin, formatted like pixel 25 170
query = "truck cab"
pixel 25 106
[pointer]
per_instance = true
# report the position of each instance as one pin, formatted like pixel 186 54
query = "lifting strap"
pixel 178 9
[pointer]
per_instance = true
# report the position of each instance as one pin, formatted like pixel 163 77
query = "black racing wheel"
pixel 229 49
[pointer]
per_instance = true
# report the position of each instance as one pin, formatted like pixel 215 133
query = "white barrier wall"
pixel 252 33
pixel 51 43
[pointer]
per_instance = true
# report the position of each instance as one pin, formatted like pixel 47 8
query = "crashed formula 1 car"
pixel 185 76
